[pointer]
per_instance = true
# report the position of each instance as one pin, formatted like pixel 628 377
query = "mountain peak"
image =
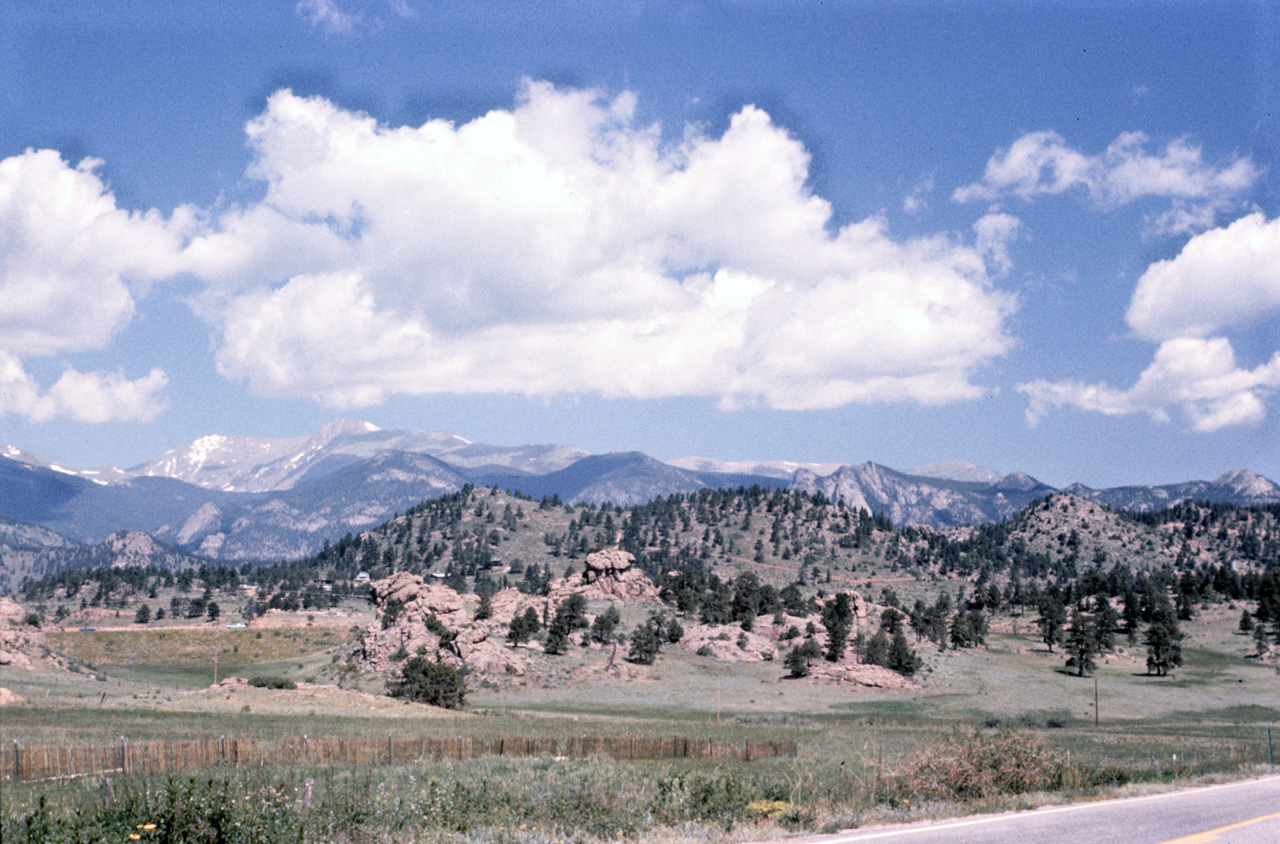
pixel 1018 481
pixel 1246 483
pixel 344 427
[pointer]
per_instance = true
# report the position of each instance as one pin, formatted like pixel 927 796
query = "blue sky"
pixel 1042 237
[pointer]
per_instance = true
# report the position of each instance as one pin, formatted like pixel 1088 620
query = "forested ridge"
pixel 724 556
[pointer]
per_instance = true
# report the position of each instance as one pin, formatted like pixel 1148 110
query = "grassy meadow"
pixel 1206 720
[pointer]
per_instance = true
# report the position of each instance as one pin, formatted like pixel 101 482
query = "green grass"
pixel 1211 713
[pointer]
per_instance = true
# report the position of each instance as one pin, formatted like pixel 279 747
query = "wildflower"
pixel 148 826
pixel 135 836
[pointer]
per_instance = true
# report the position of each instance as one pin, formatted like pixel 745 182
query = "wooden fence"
pixel 47 761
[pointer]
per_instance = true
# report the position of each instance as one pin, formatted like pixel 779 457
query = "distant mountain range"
pixel 268 498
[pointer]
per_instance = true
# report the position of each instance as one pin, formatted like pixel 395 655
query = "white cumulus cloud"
pixel 81 396
pixel 1224 278
pixel 1198 377
pixel 563 247
pixel 71 265
pixel 1041 163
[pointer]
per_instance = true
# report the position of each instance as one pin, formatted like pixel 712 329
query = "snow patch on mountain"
pixel 781 469
pixel 958 470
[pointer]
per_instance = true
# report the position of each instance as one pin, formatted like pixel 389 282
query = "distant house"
pixel 362 577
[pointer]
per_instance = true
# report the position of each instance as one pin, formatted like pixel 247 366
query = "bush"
pixel 272 682
pixel 975 765
pixel 177 810
pixel 719 798
pixel 426 681
pixel 644 645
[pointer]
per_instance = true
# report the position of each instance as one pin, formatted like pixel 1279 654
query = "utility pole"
pixel 1095 700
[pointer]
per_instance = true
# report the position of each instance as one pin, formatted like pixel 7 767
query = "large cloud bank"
pixel 560 247
pixel 557 247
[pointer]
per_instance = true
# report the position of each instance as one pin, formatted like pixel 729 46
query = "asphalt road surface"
pixel 1246 812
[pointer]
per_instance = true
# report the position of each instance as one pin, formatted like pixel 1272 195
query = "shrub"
pixel 194 810
pixel 272 682
pixel 976 765
pixel 719 798
pixel 426 681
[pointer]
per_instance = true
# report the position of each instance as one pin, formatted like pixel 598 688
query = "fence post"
pixel 124 758
pixel 1271 753
pixel 17 761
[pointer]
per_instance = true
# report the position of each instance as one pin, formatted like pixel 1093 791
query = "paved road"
pixel 1245 812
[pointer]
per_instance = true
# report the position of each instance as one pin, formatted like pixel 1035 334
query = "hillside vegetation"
pixel 733 616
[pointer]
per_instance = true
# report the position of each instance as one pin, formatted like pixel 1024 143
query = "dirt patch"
pixel 235 694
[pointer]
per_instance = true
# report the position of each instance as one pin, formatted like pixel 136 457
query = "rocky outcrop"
pixel 728 643
pixel 609 575
pixel 21 645
pixel 415 617
pixel 850 672
pixel 416 596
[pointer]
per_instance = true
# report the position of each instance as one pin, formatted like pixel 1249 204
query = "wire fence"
pixel 51 761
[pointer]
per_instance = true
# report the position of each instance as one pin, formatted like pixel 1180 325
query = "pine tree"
pixel 1052 616
pixel 876 651
pixel 604 625
pixel 644 644
pixel 484 609
pixel 1246 622
pixel 837 617
pixel 801 657
pixel 901 656
pixel 1164 642
pixel 1081 644
pixel 557 636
